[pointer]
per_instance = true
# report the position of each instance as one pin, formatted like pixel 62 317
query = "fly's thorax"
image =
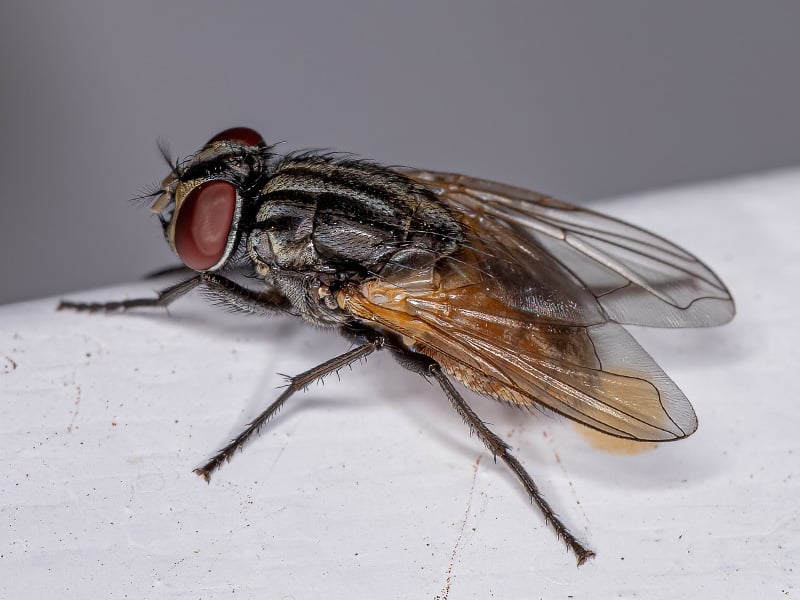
pixel 322 224
pixel 318 214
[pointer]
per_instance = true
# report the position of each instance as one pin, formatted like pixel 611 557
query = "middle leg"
pixel 499 448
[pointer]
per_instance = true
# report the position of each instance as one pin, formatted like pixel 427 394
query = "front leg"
pixel 220 288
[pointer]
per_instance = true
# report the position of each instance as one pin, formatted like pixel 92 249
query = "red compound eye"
pixel 245 135
pixel 204 223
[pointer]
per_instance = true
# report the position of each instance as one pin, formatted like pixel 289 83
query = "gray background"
pixel 582 100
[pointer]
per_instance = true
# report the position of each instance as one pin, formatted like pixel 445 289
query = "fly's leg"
pixel 181 270
pixel 219 288
pixel 164 298
pixel 172 271
pixel 227 292
pixel 296 383
pixel 499 448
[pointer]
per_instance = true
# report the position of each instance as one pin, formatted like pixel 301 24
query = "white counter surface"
pixel 371 487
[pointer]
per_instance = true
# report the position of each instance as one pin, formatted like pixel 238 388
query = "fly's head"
pixel 202 200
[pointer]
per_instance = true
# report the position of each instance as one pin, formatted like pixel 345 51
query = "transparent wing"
pixel 596 374
pixel 635 277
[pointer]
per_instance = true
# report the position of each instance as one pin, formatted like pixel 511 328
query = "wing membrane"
pixel 597 375
pixel 637 277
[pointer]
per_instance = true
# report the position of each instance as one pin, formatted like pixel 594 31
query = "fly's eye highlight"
pixel 204 224
pixel 243 135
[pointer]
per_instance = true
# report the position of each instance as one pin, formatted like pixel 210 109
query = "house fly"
pixel 514 294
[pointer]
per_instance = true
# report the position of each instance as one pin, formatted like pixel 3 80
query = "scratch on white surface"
pixel 443 595
pixel 277 458
pixel 566 475
pixel 76 407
